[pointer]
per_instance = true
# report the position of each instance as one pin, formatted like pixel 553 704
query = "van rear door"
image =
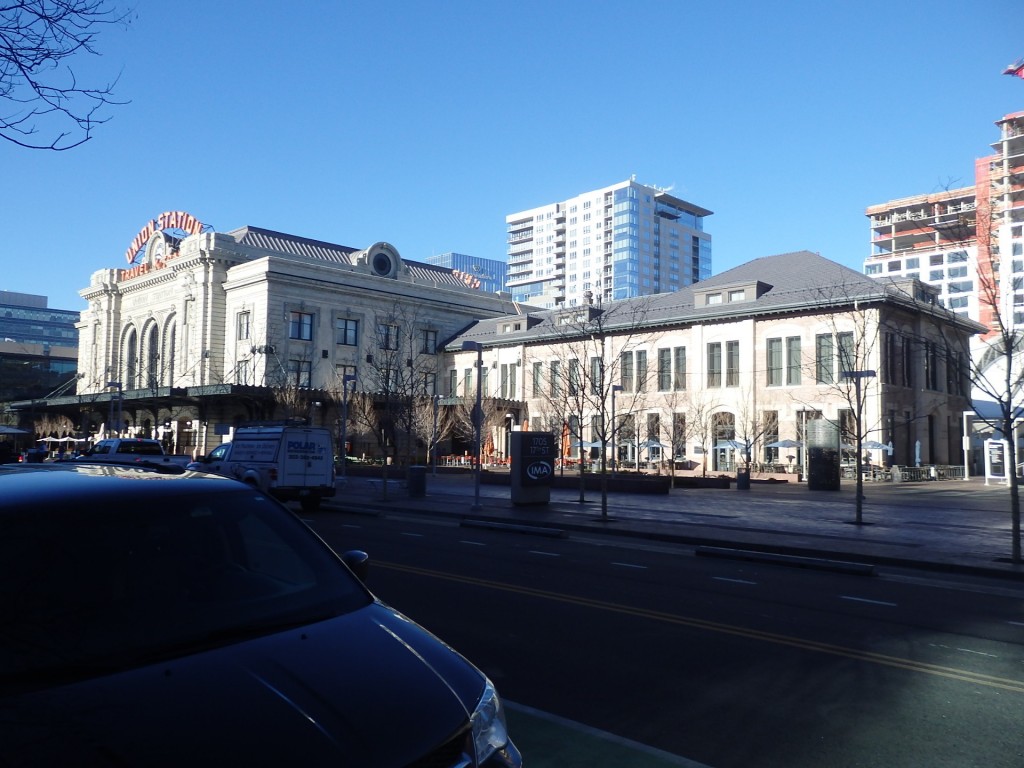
pixel 306 459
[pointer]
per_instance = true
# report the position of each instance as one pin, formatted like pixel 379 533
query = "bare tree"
pixel 702 412
pixel 994 368
pixel 37 85
pixel 593 343
pixel 756 418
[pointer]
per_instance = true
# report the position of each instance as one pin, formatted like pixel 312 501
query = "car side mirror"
pixel 358 562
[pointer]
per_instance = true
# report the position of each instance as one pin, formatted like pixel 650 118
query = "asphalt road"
pixel 722 662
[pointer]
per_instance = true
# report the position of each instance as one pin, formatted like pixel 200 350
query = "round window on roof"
pixel 382 264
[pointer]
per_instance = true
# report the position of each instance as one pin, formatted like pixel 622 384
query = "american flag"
pixel 1016 69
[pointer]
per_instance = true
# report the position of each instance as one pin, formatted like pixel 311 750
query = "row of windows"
pixel 346 332
pixel 299 373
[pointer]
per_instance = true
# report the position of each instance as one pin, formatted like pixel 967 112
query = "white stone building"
pixel 746 358
pixel 208 330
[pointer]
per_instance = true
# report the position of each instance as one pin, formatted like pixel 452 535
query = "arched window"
pixel 170 337
pixel 130 356
pixel 152 353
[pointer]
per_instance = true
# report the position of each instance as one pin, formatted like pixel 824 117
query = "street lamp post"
pixel 433 437
pixel 345 381
pixel 512 428
pixel 858 415
pixel 615 388
pixel 473 346
pixel 120 404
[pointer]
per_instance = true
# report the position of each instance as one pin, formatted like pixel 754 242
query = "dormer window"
pixel 713 298
pixel 738 295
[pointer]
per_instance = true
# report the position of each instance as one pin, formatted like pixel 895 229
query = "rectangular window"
pixel 453 382
pixel 931 366
pixel 503 381
pixel 679 436
pixel 793 360
pixel 626 371
pixel 847 353
pixel 300 326
pixel 467 383
pixel 654 436
pixel 715 364
pixel 346 331
pixel 664 370
pixel 641 370
pixel 244 373
pixel 387 379
pixel 556 377
pixel 387 336
pixel 575 380
pixel 824 355
pixel 679 373
pixel 596 376
pixel 300 373
pixel 243 326
pixel 770 430
pixel 538 379
pixel 341 371
pixel 732 363
pixel 430 384
pixel 429 346
pixel 774 362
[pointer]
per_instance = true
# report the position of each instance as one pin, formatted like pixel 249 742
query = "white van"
pixel 289 463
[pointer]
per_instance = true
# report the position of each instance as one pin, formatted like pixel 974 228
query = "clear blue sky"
pixel 424 124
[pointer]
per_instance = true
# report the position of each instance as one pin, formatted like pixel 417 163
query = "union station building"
pixel 204 331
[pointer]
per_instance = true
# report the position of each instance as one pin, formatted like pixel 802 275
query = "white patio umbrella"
pixel 785 444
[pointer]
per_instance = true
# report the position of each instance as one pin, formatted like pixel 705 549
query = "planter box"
pixel 703 482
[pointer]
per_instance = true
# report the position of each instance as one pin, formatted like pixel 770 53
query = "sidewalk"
pixel 953 525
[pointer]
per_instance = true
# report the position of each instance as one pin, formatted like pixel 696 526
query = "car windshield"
pixel 83 592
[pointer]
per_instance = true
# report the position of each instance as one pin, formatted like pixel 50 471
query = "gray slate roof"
pixel 792 282
pixel 293 245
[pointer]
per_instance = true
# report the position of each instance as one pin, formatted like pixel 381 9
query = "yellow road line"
pixel 952 673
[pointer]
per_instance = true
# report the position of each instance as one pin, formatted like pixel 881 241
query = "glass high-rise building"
pixel 618 242
pixel 486 274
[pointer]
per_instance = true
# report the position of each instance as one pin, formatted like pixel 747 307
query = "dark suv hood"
pixel 366 689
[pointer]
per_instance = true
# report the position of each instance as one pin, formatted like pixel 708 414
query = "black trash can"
pixel 742 478
pixel 417 482
pixel 35 456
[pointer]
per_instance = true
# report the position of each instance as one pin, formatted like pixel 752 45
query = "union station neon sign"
pixel 179 222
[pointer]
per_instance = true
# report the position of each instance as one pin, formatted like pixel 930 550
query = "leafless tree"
pixel 995 368
pixel 591 342
pixel 44 105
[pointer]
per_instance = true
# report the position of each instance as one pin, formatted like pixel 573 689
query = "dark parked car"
pixel 161 619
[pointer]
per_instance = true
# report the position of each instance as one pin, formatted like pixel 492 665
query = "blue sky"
pixel 424 124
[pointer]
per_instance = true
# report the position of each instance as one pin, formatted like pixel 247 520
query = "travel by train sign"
pixel 174 221
pixel 157 241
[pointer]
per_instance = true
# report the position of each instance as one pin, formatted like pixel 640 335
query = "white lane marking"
pixel 473 543
pixel 865 600
pixel 735 581
pixel 631 565
pixel 413 535
pixel 1016 623
pixel 350 525
pixel 545 554
pixel 977 653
